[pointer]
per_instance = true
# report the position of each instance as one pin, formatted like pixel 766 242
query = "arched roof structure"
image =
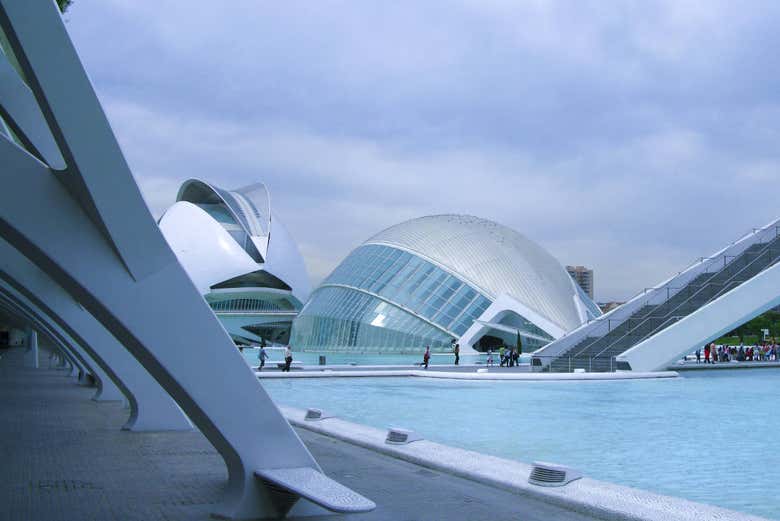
pixel 220 234
pixel 494 259
pixel 432 280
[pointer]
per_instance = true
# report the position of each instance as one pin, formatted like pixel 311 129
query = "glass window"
pixel 367 323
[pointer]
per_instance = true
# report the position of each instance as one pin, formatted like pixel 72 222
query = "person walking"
pixel 456 350
pixel 427 356
pixel 707 354
pixel 501 358
pixel 287 359
pixel 490 358
pixel 698 355
pixel 262 356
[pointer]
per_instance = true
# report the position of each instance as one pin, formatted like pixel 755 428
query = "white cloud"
pixel 629 137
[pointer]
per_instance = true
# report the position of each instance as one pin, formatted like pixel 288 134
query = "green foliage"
pixel 748 340
pixel 64 4
pixel 751 332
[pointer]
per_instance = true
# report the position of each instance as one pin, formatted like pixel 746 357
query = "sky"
pixel 630 137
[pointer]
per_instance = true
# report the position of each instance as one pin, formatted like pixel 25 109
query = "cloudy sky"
pixel 631 137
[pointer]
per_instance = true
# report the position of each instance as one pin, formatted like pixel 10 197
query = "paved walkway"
pixel 63 457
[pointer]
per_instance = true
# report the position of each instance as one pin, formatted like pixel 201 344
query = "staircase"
pixel 596 352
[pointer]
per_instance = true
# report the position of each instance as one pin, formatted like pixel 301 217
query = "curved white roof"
pixel 493 258
pixel 249 205
pixel 211 247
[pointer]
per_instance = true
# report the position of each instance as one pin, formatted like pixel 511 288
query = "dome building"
pixel 240 257
pixel 439 279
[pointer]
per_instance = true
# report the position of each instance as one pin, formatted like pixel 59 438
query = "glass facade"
pixel 251 304
pixel 342 319
pixel 412 283
pixel 427 280
pixel 385 299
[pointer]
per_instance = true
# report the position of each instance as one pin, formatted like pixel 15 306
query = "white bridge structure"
pixel 83 261
pixel 661 324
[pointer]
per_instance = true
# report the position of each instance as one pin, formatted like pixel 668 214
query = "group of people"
pixel 764 352
pixel 506 357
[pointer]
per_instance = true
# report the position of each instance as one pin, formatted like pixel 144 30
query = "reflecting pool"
pixel 708 437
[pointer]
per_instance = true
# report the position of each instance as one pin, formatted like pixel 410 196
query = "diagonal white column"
pixel 741 304
pixel 151 408
pixel 106 390
pixel 98 241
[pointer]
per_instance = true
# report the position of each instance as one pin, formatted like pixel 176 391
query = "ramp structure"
pixel 661 324
pixel 71 207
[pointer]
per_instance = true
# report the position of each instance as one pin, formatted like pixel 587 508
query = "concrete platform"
pixel 494 373
pixel 693 366
pixel 64 457
pixel 585 495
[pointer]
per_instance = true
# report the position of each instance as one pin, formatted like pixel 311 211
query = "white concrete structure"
pixel 697 305
pixel 151 408
pixel 759 294
pixel 97 240
pixel 439 279
pixel 240 257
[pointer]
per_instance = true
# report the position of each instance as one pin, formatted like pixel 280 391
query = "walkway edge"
pixel 528 377
pixel 600 499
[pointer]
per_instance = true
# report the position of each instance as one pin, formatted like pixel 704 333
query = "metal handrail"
pixel 635 303
pixel 758 254
pixel 649 316
pixel 585 362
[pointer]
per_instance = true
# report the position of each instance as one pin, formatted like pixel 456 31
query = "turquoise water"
pixel 709 437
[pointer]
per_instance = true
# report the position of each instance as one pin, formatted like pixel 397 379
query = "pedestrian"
pixel 707 354
pixel 456 350
pixel 501 358
pixel 262 356
pixel 427 356
pixel 287 359
pixel 490 358
pixel 698 355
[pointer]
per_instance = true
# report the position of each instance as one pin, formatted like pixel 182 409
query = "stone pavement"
pixel 64 457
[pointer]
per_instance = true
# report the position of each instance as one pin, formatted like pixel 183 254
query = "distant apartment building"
pixel 583 276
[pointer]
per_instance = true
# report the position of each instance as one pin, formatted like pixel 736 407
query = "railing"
pixel 656 296
pixel 708 284
pixel 568 364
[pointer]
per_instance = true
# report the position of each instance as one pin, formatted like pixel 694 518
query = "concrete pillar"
pixel 31 353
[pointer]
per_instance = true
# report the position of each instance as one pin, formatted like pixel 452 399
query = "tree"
pixel 519 344
pixel 64 4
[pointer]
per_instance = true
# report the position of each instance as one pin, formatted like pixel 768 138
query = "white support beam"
pixel 151 408
pixel 720 316
pixel 98 241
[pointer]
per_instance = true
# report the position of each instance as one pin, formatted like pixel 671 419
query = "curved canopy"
pixel 494 259
pixel 250 206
